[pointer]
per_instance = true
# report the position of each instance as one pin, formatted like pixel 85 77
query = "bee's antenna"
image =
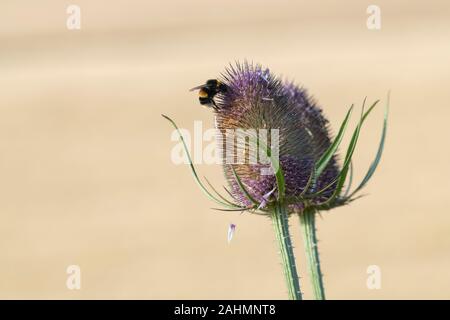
pixel 197 87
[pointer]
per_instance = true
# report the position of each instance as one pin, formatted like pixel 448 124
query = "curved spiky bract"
pixel 221 200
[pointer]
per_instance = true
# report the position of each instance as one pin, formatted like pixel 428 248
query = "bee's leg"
pixel 214 105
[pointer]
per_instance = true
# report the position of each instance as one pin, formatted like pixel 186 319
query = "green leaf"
pixel 377 159
pixel 308 183
pixel 279 175
pixel 217 193
pixel 350 180
pixel 194 172
pixel 280 181
pixel 232 210
pixel 328 154
pixel 348 157
pixel 321 191
pixel 230 194
pixel 242 187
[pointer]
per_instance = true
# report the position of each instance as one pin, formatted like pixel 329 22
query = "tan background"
pixel 85 170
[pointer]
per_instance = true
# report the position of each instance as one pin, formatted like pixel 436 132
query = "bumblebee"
pixel 208 90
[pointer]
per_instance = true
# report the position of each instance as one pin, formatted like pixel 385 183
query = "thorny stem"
pixel 307 222
pixel 280 222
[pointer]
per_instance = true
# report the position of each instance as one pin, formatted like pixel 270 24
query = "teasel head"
pixel 256 106
pixel 259 114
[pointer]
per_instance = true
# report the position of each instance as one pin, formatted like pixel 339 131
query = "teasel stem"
pixel 308 227
pixel 280 222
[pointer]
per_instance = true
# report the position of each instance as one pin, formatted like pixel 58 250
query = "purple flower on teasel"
pixel 255 99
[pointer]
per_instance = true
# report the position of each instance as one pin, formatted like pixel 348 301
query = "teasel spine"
pixel 280 221
pixel 309 234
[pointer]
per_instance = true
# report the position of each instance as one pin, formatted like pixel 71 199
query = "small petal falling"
pixel 231 230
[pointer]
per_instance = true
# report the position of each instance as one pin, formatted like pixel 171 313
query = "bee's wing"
pixel 197 87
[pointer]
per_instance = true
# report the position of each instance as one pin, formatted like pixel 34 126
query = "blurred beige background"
pixel 85 171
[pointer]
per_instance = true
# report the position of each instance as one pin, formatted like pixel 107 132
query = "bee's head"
pixel 207 91
pixel 213 85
